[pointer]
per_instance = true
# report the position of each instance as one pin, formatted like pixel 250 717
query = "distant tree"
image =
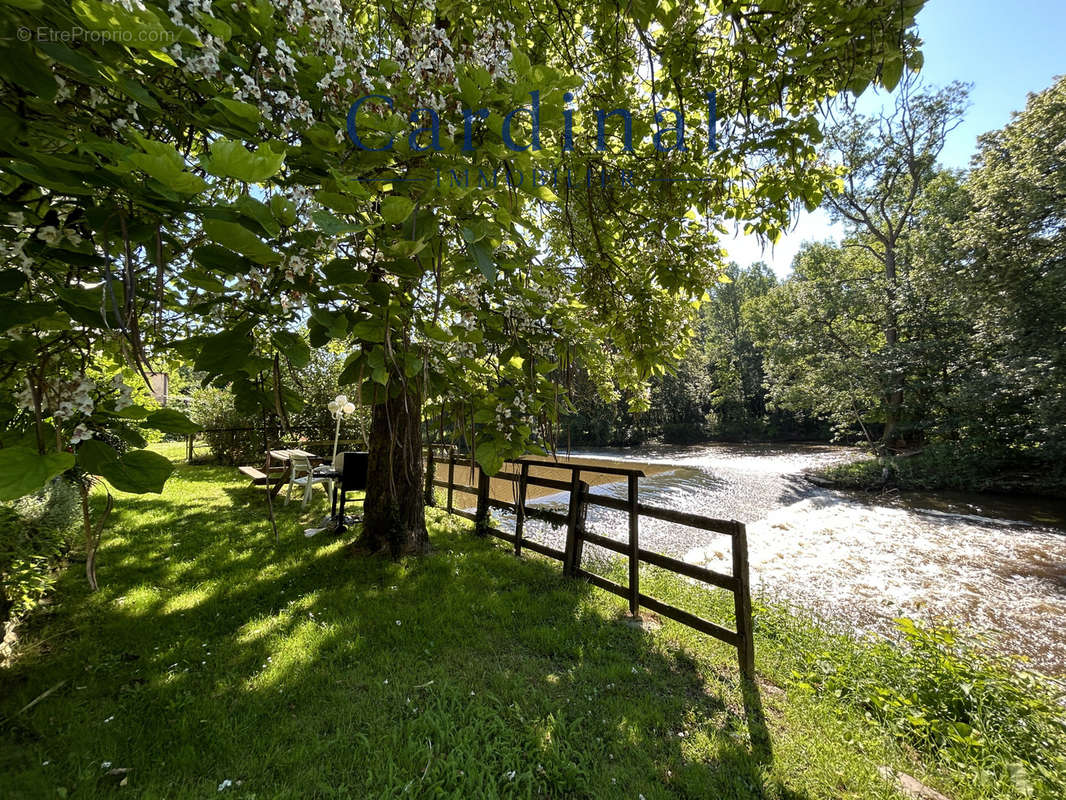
pixel 738 396
pixel 889 161
pixel 1015 246
pixel 822 336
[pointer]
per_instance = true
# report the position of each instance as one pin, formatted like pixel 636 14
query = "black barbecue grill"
pixel 351 477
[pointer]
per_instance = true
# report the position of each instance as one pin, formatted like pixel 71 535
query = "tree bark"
pixel 894 397
pixel 394 517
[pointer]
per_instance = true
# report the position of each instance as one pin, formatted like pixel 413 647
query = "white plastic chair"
pixel 301 473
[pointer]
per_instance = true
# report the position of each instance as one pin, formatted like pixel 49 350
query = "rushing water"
pixel 995 565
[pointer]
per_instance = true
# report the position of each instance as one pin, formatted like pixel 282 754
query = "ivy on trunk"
pixel 394 514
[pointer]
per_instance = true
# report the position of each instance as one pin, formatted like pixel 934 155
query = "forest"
pixel 933 332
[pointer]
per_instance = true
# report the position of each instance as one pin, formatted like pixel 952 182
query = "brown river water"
pixel 994 565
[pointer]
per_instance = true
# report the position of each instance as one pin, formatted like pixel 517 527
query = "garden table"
pixel 282 458
pixel 275 473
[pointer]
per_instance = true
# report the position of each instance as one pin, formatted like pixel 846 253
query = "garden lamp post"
pixel 339 407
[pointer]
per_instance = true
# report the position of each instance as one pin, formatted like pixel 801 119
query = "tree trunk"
pixel 394 517
pixel 91 540
pixel 894 396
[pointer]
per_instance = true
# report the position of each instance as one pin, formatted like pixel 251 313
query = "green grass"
pixel 299 670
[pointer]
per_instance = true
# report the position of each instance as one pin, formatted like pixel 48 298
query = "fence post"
pixel 431 469
pixel 634 549
pixel 481 517
pixel 451 479
pixel 742 603
pixel 575 519
pixel 520 511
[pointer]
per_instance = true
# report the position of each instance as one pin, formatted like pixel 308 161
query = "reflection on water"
pixel 997 565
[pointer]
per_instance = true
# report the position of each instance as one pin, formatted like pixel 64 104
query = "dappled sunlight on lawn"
pixel 212 654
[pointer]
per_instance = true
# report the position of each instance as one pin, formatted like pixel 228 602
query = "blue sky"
pixel 1005 49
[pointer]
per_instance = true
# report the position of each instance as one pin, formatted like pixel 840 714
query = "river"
pixel 993 565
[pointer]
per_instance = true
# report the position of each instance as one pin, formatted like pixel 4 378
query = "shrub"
pixel 36 531
pixel 214 410
pixel 684 432
pixel 948 695
pixel 947 465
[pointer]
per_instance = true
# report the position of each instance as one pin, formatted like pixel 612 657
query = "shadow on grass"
pixel 298 671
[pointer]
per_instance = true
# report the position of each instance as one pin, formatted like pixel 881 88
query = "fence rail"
pixel 263 439
pixel 576 536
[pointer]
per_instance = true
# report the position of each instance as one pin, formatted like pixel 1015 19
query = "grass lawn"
pixel 212 663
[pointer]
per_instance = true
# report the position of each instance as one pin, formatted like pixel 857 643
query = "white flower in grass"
pixel 225 784
pixel 105 765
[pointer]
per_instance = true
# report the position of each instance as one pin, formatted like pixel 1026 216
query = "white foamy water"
pixel 867 564
pixel 857 560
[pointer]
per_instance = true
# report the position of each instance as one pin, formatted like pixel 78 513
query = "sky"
pixel 1005 49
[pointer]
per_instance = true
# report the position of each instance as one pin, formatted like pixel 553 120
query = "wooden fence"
pixel 577 536
pixel 263 439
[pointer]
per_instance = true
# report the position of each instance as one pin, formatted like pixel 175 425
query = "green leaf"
pixel 15 313
pixel 244 116
pixel 138 472
pixel 284 209
pixel 139 28
pixel 169 420
pixel 20 65
pixel 224 353
pixel 215 258
pixel 396 209
pixel 337 201
pixel 94 456
pixel 891 72
pixel 488 456
pixel 215 26
pixel 23 470
pixel 231 159
pixel 294 348
pixel 483 256
pixel 164 163
pixel 332 226
pixel 344 271
pixel 238 238
pixel 253 209
pixel 369 330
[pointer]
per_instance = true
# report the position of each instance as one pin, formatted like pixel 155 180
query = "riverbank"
pixel 213 662
pixel 859 560
pixel 936 469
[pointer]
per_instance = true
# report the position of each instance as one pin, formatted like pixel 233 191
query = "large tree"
pixel 888 161
pixel 226 192
pixel 1014 271
pixel 823 330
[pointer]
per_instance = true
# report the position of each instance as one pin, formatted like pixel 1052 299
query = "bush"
pixel 949 696
pixel 214 410
pixel 36 531
pixel 316 384
pixel 684 432
pixel 947 465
